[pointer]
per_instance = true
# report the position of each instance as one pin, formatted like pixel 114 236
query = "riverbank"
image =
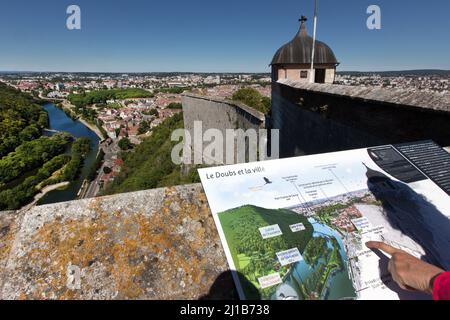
pixel 68 106
pixel 60 120
pixel 44 191
pixel 92 127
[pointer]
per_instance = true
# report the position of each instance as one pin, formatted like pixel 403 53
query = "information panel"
pixel 296 228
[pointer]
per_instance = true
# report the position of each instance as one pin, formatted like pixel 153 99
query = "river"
pixel 339 284
pixel 59 121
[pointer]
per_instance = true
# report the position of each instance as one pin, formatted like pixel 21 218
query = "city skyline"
pixel 139 37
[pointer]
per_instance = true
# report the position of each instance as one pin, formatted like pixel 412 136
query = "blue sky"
pixel 217 36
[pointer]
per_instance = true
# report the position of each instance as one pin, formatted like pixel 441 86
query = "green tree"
pixel 175 105
pixel 144 127
pixel 117 131
pixel 125 144
pixel 21 119
pixel 101 96
pixel 175 90
pixel 153 112
pixel 80 148
pixel 252 98
pixel 96 165
pixel 18 196
pixel 32 154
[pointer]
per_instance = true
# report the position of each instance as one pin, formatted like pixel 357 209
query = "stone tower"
pixel 293 60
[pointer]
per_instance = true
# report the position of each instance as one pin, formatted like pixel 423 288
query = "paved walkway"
pixel 41 194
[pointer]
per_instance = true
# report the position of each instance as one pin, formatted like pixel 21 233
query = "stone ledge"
pixel 155 244
pixel 430 101
pixel 255 113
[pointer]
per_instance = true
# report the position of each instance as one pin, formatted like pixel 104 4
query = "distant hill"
pixel 417 73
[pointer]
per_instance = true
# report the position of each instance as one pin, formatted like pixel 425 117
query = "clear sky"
pixel 217 36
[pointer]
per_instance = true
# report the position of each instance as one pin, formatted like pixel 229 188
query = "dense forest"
pixel 30 155
pixel 16 197
pixel 150 164
pixel 316 249
pixel 28 160
pixel 241 227
pixel 21 119
pixel 59 168
pixel 101 96
pixel 254 256
pixel 80 148
pixel 324 255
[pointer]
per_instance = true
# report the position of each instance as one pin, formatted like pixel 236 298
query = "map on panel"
pixel 295 229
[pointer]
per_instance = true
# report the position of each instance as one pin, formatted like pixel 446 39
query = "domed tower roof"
pixel 298 50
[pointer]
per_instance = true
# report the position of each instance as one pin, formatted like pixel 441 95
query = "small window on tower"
pixel 303 74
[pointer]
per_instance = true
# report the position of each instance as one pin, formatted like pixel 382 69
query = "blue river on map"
pixel 339 284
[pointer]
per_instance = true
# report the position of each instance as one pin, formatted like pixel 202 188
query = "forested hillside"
pixel 150 164
pixel 28 160
pixel 30 155
pixel 21 119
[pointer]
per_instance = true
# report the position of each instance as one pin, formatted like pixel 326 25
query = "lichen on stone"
pixel 156 244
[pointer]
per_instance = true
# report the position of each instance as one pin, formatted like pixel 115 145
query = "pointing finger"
pixel 381 246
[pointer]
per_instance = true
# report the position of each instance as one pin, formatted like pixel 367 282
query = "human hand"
pixel 407 271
